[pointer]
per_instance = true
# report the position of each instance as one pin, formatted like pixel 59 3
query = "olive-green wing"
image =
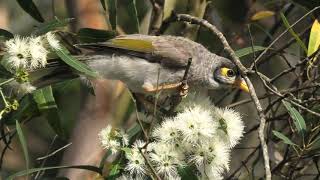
pixel 164 50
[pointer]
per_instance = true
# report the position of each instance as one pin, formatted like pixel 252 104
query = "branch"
pixel 156 17
pixel 243 70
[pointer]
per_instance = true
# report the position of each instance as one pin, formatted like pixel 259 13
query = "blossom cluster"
pixel 23 54
pixel 199 137
pixel 29 52
pixel 113 139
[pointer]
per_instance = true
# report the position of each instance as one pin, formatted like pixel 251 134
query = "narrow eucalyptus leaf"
pixel 65 56
pixel 112 8
pixel 133 13
pixel 314 38
pixel 298 120
pixel 6 34
pixel 88 35
pixel 29 7
pixel 134 130
pixel 103 3
pixel 284 138
pixel 47 106
pixel 44 98
pixel 23 143
pixel 248 50
pixel 105 156
pixel 52 25
pixel 294 34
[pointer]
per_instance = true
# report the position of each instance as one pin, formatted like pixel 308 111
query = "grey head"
pixel 225 74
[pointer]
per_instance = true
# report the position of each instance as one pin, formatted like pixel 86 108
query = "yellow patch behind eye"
pixel 224 71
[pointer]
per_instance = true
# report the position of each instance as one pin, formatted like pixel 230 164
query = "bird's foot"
pixel 184 89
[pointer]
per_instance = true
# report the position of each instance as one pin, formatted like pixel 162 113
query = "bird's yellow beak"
pixel 241 84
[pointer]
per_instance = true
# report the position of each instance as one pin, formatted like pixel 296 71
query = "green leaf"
pixel 44 98
pixel 127 150
pixel 132 12
pixel 88 35
pixel 115 170
pixel 23 143
pixel 187 173
pixel 47 106
pixel 52 25
pixel 34 170
pixel 248 50
pixel 298 120
pixel 103 3
pixel 64 54
pixel 112 9
pixel 313 46
pixel 6 34
pixel 64 93
pixel 295 35
pixel 105 156
pixel 284 138
pixel 29 7
pixel 134 130
pixel 314 39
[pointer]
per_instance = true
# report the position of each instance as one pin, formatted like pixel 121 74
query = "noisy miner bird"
pixel 148 64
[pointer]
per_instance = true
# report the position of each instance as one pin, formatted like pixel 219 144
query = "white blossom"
pixel 124 138
pixel 18 52
pixel 139 144
pixel 136 163
pixel 111 139
pixel 53 41
pixel 230 125
pixel 196 124
pixel 200 136
pixel 38 53
pixel 195 99
pixel 166 160
pixel 168 132
pixel 211 158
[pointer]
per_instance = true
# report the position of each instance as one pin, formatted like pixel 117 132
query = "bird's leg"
pixel 149 88
pixel 184 83
pixel 183 89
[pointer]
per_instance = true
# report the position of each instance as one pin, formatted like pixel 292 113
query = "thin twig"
pixel 153 171
pixel 54 152
pixel 138 118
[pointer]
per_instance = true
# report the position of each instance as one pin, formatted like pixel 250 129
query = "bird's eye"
pixel 226 72
pixel 230 73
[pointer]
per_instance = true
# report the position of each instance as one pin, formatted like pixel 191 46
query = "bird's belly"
pixel 135 72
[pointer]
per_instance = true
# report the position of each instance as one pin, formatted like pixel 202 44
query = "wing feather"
pixel 164 50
